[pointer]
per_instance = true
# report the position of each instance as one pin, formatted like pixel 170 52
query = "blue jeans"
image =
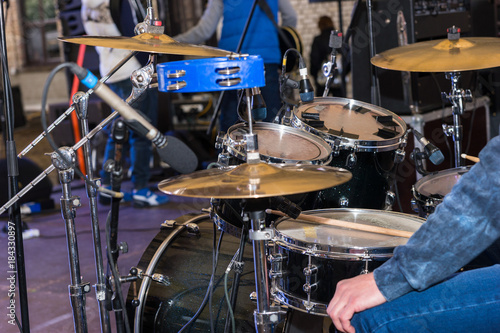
pixel 138 145
pixel 466 302
pixel 270 92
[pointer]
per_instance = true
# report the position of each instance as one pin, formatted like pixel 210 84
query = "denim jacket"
pixel 463 225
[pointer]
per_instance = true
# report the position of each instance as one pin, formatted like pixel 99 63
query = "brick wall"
pixel 309 14
pixel 14 38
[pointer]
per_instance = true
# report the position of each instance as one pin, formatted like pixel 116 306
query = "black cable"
pixel 114 272
pixel 48 135
pixel 210 284
pixel 215 259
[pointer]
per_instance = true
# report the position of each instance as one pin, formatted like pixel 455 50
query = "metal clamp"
pixel 264 234
pixel 273 316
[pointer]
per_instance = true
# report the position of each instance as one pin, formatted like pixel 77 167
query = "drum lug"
pixel 336 147
pixel 414 206
pixel 160 278
pixel 399 156
pixel 343 202
pixel 389 200
pixel 276 261
pixel 168 224
pixel 366 258
pixel 219 140
pixel 351 161
pixel 223 159
pixel 310 272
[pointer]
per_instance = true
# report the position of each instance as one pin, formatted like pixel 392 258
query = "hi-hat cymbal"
pixel 443 55
pixel 148 42
pixel 260 180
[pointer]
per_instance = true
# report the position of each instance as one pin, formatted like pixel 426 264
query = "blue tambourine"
pixel 211 74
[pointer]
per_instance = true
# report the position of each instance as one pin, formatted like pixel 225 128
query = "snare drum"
pixel 308 259
pixel 366 140
pixel 429 191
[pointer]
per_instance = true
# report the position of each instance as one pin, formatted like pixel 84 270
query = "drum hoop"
pixel 347 143
pixel 237 150
pixel 225 226
pixel 146 281
pixel 332 251
pixel 298 303
pixel 337 252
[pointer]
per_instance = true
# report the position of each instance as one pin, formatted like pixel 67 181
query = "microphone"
pixel 435 155
pixel 171 150
pixel 259 108
pixel 306 90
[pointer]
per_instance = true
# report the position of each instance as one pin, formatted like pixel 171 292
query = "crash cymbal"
pixel 148 42
pixel 442 55
pixel 260 180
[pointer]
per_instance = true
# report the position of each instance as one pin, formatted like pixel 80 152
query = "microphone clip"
pixel 418 156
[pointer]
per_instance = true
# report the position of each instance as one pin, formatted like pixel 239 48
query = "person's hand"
pixel 351 296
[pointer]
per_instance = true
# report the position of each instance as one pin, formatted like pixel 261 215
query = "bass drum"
pixel 176 269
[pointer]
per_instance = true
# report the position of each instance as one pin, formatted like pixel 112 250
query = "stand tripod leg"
pixel 265 316
pixel 81 105
pixel 237 275
pixel 77 289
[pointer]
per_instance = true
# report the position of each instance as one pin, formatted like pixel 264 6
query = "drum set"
pixel 313 198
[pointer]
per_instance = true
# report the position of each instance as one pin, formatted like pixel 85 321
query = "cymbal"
pixel 260 180
pixel 443 55
pixel 148 42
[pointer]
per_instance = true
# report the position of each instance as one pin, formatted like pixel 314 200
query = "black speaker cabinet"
pixel 424 21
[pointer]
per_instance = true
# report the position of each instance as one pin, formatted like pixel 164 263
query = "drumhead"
pixel 331 242
pixel 440 183
pixel 356 124
pixel 280 144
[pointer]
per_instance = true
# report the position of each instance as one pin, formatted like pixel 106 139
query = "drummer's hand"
pixel 351 296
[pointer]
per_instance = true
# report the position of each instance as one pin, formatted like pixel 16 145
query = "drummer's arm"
pixel 206 26
pixel 463 226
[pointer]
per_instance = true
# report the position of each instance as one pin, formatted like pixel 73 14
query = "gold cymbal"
pixel 260 180
pixel 148 42
pixel 443 55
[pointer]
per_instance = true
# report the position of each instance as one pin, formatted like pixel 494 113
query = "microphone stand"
pixel 17 267
pixel 238 49
pixel 375 89
pixel 120 134
pixel 81 108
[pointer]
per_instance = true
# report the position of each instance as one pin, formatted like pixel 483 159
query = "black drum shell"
pixel 330 272
pixel 187 262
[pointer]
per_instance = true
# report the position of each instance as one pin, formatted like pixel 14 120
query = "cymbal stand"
pixel 265 316
pixel 458 97
pixel 238 269
pixel 77 289
pixel 81 108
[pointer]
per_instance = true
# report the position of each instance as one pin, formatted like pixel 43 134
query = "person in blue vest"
pixel 261 39
pixel 418 289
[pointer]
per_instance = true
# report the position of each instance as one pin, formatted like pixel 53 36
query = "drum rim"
pixel 235 149
pixel 435 175
pixel 346 143
pixel 335 251
pixel 297 303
